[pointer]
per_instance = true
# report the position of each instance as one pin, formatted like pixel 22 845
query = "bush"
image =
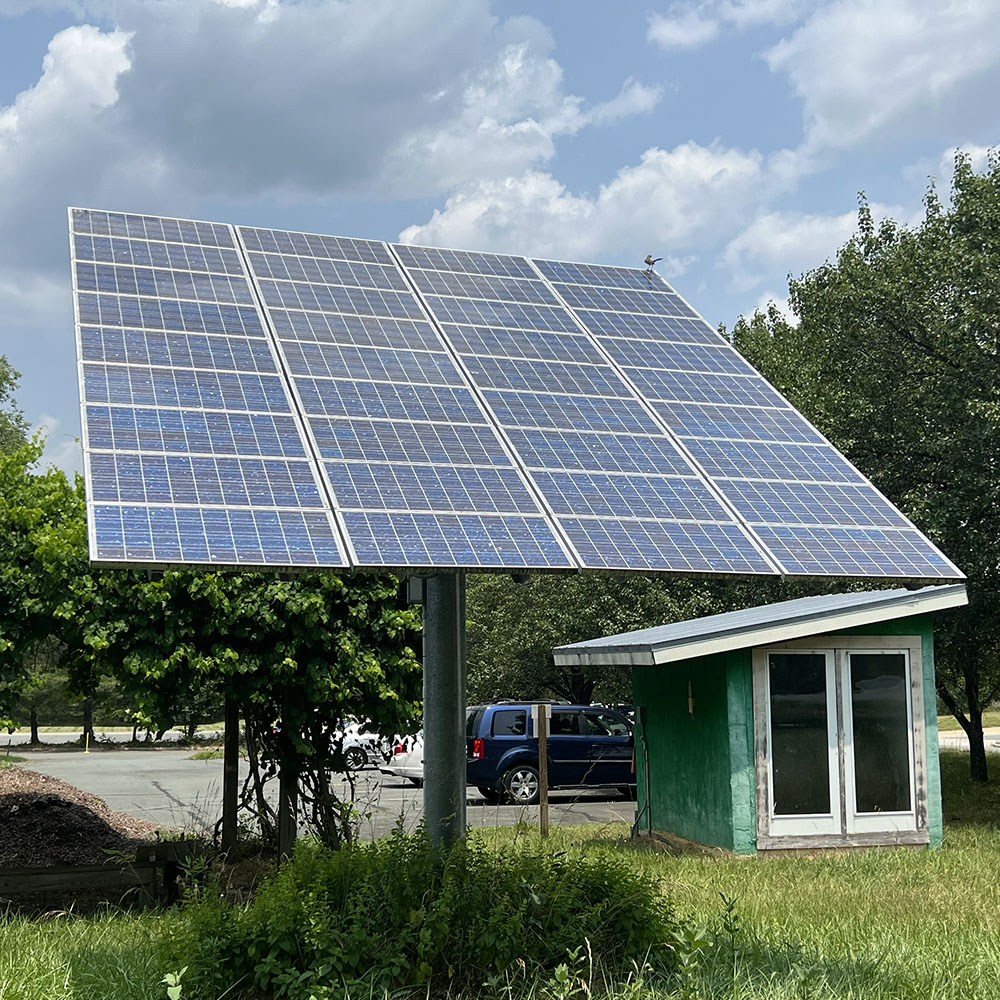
pixel 400 912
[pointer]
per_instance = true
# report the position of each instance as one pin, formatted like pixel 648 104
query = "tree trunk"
pixel 34 741
pixel 88 719
pixel 135 732
pixel 972 724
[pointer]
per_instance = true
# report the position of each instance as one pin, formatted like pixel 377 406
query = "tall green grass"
pixel 876 925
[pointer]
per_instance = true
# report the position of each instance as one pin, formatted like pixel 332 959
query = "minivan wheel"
pixel 491 795
pixel 355 758
pixel 521 785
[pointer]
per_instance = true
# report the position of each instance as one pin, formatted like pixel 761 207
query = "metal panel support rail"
pixel 444 707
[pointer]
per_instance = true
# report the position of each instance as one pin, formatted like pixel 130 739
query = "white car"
pixel 407 760
pixel 362 749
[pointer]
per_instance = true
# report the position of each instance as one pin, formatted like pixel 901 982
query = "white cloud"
pixel 689 25
pixel 862 67
pixel 670 202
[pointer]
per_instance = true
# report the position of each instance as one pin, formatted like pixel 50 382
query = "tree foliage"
pixel 13 426
pixel 896 358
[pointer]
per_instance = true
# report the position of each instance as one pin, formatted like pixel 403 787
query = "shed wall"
pixel 701 763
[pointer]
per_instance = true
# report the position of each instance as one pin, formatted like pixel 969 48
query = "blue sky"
pixel 729 136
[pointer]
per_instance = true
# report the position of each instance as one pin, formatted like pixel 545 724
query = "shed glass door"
pixel 804 772
pixel 878 741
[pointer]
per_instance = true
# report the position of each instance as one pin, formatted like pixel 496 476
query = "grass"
pixel 9 760
pixel 874 925
pixel 948 723
pixel 216 754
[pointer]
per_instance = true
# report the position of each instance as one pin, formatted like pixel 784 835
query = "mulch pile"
pixel 46 822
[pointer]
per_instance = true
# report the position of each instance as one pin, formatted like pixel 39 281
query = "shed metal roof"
pixel 756 626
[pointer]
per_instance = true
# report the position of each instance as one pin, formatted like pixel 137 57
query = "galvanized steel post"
pixel 444 707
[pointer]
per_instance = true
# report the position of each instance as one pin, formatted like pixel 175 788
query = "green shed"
pixel 799 725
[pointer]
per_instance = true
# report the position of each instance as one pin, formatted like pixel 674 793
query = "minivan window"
pixel 604 724
pixel 472 717
pixel 509 722
pixel 565 724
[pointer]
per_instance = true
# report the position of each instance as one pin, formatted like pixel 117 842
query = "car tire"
pixel 355 758
pixel 521 785
pixel 491 795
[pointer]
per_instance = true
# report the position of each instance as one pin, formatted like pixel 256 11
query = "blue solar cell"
pixel 324 271
pixel 183 479
pixel 168 314
pixel 181 350
pixel 462 260
pixel 150 227
pixel 650 302
pixel 480 312
pixel 704 387
pixel 312 245
pixel 681 547
pixel 126 280
pixel 342 397
pixel 183 388
pixel 811 503
pixel 126 428
pixel 679 357
pixel 419 540
pixel 594 413
pixel 215 535
pixel 762 460
pixel 482 286
pixel 429 488
pixel 596 494
pixel 336 361
pixel 340 299
pixel 144 253
pixel 362 331
pixel 546 376
pixel 394 441
pixel 601 274
pixel 746 422
pixel 544 449
pixel 855 551
pixel 611 324
pixel 534 344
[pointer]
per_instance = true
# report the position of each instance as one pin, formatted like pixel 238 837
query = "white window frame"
pixel 864 829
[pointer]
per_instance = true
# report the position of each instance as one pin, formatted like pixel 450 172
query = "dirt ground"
pixel 46 822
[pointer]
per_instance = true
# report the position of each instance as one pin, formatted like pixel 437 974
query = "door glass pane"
pixel 881 732
pixel 799 734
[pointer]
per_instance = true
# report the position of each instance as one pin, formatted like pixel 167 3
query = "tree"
pixel 298 653
pixel 13 426
pixel 896 358
pixel 513 627
pixel 42 552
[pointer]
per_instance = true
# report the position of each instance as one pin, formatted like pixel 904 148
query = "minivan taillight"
pixel 478 749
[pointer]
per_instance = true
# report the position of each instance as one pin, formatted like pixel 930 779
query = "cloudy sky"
pixel 729 136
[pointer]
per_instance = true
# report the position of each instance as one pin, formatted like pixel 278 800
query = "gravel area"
pixel 47 822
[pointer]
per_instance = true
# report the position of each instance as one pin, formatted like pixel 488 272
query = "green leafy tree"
pixel 42 553
pixel 896 358
pixel 13 426
pixel 298 653
pixel 513 626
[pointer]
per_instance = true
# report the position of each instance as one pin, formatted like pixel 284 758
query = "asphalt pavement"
pixel 167 787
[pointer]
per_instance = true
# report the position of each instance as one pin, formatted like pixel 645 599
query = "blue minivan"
pixel 588 747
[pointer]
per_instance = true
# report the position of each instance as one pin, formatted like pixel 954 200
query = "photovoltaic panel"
pixel 193 453
pixel 262 397
pixel 393 416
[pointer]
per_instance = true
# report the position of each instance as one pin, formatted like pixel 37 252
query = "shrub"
pixel 400 912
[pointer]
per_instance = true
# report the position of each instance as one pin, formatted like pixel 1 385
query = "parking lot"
pixel 169 788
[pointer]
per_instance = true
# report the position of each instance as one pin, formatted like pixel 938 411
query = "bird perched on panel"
pixel 651 260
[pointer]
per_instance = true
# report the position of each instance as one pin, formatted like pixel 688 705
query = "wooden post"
pixel 543 770
pixel 230 773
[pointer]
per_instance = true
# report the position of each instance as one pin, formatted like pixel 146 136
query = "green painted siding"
pixel 701 761
pixel 923 626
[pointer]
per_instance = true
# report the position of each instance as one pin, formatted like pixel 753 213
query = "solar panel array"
pixel 260 397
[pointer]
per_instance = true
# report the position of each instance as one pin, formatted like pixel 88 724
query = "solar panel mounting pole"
pixel 444 707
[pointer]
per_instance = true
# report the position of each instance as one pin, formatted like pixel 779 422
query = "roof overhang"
pixel 772 623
